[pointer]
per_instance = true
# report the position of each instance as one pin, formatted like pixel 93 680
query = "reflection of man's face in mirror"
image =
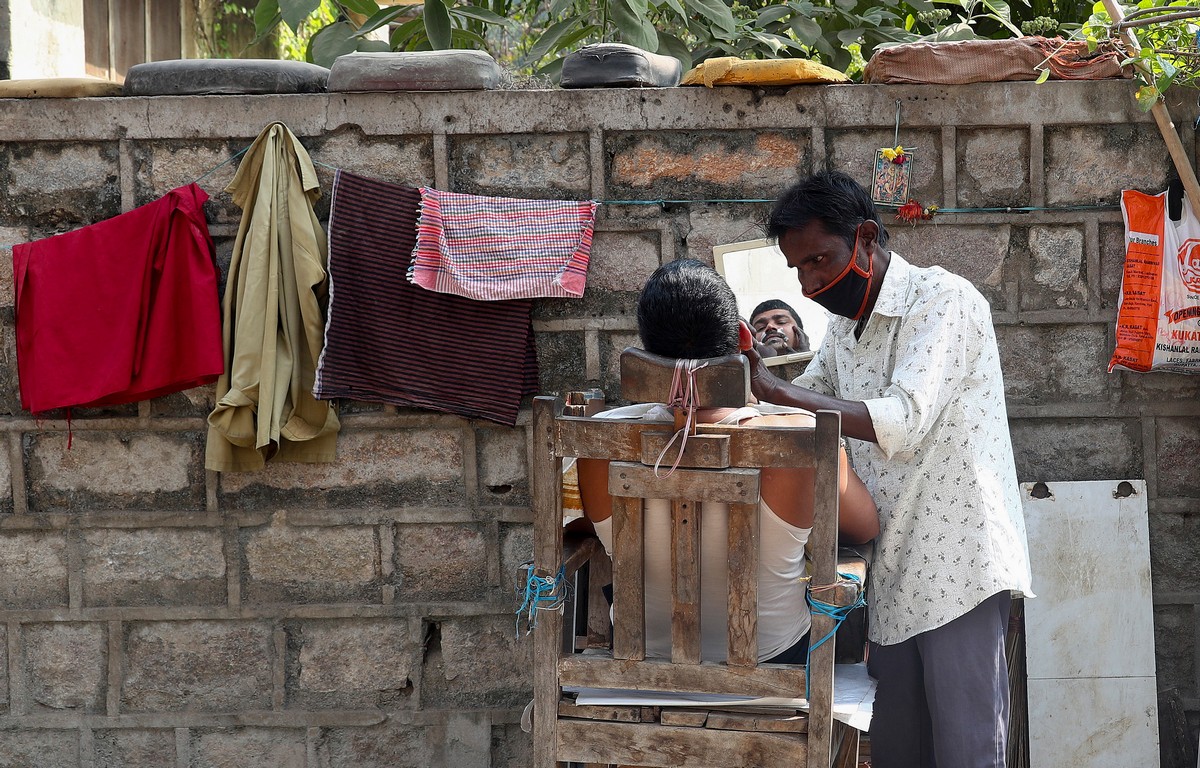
pixel 776 325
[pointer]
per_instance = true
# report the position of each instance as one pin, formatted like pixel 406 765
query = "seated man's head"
pixel 778 326
pixel 687 310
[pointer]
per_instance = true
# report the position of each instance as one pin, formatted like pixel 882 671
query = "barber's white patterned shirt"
pixel 952 532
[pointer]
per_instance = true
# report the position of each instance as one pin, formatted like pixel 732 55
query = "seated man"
pixel 686 310
pixel 777 326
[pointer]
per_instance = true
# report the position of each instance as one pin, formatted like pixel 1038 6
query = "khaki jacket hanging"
pixel 272 315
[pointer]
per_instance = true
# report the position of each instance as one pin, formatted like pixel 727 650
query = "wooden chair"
pixel 720 464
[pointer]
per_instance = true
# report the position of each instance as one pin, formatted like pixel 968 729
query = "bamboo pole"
pixel 1183 164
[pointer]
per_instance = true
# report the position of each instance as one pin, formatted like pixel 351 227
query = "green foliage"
pixel 1167 34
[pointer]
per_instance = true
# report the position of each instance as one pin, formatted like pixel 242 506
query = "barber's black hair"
pixel 687 310
pixel 833 198
pixel 776 304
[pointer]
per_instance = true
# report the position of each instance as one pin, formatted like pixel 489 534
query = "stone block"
pixel 693 165
pixel 854 152
pixel 596 304
pixel 197 666
pixel 4 703
pixel 477 661
pixel 561 362
pixel 993 167
pixel 526 165
pixel 376 468
pixel 1133 158
pixel 161 166
pixel 10 398
pixel 35 568
pixel 9 236
pixel 1050 450
pixel 248 748
pixel 712 225
pixel 1156 389
pixel 511 747
pixel 160 566
pixel 322 564
pixel 54 187
pixel 405 160
pixel 516 547
pixel 134 748
pixel 197 402
pixel 503 474
pixel 1112 265
pixel 1174 557
pixel 350 663
pixel 1178 445
pixel 115 470
pixel 1054 363
pixel 611 346
pixel 1174 646
pixel 40 747
pixel 441 562
pixel 981 254
pixel 621 261
pixel 388 745
pixel 1056 275
pixel 65 665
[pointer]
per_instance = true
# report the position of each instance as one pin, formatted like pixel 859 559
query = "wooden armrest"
pixel 577 551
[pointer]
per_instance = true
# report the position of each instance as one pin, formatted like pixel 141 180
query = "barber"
pixel 910 360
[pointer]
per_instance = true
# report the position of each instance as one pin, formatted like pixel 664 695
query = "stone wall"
pixel 153 614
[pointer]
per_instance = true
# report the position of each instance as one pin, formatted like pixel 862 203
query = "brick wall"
pixel 360 613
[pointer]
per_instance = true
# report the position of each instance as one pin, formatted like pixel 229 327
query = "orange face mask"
pixel 847 294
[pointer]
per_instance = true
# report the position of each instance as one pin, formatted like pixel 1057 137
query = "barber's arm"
pixel 767 387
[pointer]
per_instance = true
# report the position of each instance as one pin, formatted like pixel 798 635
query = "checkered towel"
pixel 495 248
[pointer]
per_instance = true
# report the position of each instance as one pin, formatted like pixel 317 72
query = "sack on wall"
pixel 1158 318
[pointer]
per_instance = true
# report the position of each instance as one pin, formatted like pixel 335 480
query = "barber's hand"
pixel 762 381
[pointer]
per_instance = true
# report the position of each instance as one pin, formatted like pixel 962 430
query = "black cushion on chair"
pixel 207 77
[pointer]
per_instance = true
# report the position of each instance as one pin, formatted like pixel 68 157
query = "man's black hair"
pixel 687 310
pixel 770 304
pixel 832 198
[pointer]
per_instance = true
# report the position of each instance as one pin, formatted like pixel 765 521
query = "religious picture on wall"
pixel 889 183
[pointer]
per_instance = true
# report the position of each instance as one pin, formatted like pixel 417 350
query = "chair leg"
pixel 848 742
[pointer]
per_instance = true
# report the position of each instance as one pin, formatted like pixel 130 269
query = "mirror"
pixel 757 272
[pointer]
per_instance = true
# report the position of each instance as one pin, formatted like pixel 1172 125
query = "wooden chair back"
pixel 718 464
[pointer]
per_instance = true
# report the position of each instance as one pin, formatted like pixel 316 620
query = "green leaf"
pixel 480 14
pixel 849 36
pixel 403 33
pixel 1147 97
pixel 635 28
pixel 437 24
pixel 771 13
pixel 373 46
pixel 590 31
pixel 677 7
pixel 673 46
pixel 465 38
pixel 558 7
pixel 1043 77
pixel 296 11
pixel 639 7
pixel 553 70
pixel 382 17
pixel 367 8
pixel 266 17
pixel 716 12
pixel 806 29
pixel 549 40
pixel 335 40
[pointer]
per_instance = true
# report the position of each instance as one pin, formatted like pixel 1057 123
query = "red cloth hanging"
pixel 119 311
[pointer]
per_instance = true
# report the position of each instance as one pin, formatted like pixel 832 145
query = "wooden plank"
pixel 723 382
pixel 596 671
pixel 599 625
pixel 127 20
pixel 685 718
pixel 761 447
pixel 546 482
pixel 823 546
pixel 164 29
pixel 97 61
pixel 675 747
pixel 743 585
pixel 588 438
pixel 700 451
pixel 598 712
pixel 629 588
pixel 578 552
pixel 685 582
pixel 726 486
pixel 777 723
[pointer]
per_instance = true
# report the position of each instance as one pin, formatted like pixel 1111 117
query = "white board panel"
pixel 1093 723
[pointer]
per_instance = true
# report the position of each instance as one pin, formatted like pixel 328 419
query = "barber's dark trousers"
pixel 942 699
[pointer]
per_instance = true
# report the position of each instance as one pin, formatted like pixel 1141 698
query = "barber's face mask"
pixel 847 294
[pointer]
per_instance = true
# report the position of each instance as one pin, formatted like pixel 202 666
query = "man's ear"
pixel 745 336
pixel 868 233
